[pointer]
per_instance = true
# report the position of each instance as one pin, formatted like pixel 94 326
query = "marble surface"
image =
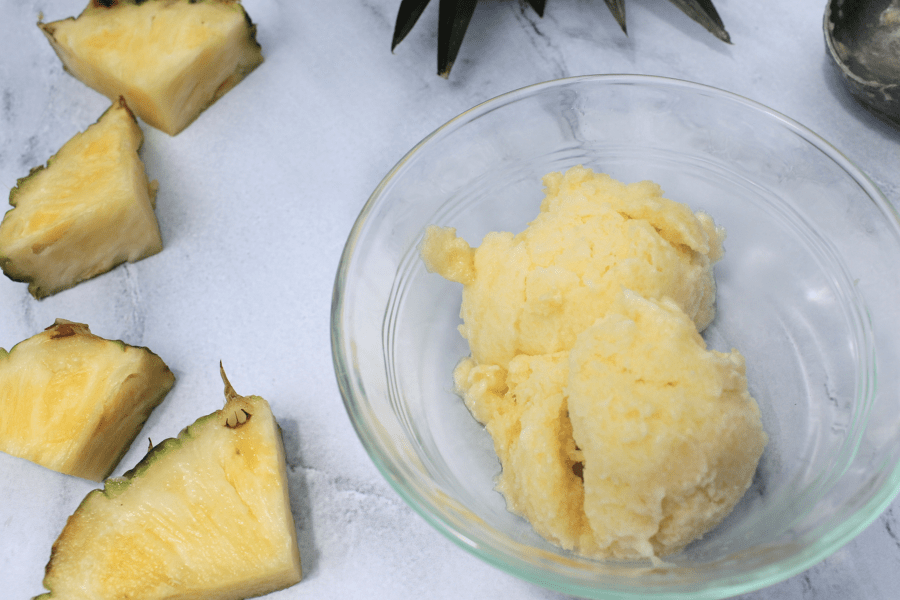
pixel 257 198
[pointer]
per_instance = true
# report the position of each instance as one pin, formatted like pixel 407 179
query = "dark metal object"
pixel 863 39
pixel 454 17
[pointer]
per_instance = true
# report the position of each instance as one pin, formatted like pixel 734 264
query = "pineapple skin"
pixel 204 515
pixel 90 209
pixel 62 411
pixel 120 49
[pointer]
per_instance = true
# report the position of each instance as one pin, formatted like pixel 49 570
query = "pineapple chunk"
pixel 73 401
pixel 204 515
pixel 88 210
pixel 169 59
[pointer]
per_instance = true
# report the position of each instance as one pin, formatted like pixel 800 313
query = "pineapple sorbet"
pixel 619 434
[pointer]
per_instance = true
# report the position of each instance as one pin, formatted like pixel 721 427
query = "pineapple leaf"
pixel 704 13
pixel 617 8
pixel 409 13
pixel 538 6
pixel 454 17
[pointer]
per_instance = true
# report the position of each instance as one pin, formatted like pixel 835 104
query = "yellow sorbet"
pixel 532 293
pixel 619 434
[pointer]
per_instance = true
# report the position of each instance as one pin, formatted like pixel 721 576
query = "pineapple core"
pixel 169 59
pixel 203 515
pixel 74 402
pixel 88 210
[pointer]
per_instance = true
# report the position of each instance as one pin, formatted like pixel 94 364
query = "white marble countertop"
pixel 255 203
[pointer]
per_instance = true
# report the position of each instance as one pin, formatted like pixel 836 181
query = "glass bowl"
pixel 807 291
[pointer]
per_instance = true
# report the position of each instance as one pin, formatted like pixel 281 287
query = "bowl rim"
pixel 747 582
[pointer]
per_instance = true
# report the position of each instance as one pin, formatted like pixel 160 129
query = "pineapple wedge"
pixel 169 59
pixel 88 210
pixel 204 515
pixel 73 401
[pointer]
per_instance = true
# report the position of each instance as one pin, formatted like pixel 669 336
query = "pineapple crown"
pixel 454 17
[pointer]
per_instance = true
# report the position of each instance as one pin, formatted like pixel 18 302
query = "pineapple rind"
pixel 74 402
pixel 89 210
pixel 170 59
pixel 203 515
pixel 13 193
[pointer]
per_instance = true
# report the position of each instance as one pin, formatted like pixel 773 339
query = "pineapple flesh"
pixel 90 209
pixel 169 59
pixel 204 515
pixel 74 402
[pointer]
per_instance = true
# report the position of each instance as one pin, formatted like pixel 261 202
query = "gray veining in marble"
pixel 256 200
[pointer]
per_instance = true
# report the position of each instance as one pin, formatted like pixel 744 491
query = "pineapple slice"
pixel 204 515
pixel 88 210
pixel 73 402
pixel 169 59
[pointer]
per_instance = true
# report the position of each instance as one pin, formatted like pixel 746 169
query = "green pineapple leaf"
pixel 454 17
pixel 409 13
pixel 538 6
pixel 617 8
pixel 704 13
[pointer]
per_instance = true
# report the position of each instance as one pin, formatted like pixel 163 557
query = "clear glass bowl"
pixel 807 291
